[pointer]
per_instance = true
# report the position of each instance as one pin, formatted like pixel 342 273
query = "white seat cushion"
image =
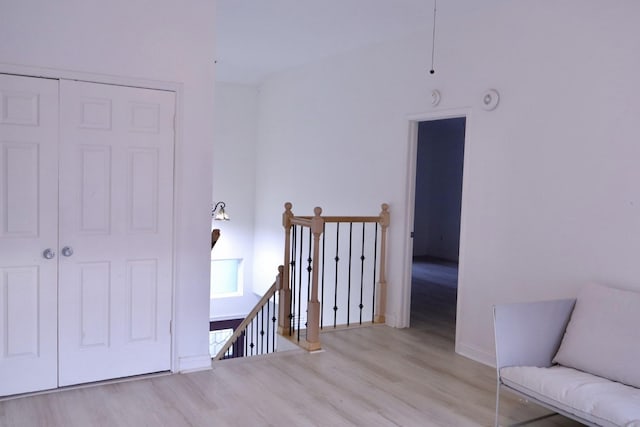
pixel 596 399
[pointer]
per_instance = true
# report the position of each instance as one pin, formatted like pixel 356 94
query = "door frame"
pixel 412 157
pixel 178 89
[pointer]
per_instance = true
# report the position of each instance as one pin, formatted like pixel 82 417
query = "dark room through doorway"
pixel 436 227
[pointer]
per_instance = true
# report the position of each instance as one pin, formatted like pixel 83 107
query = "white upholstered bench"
pixel 577 357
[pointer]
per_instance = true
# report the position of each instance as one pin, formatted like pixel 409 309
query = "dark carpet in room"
pixel 433 296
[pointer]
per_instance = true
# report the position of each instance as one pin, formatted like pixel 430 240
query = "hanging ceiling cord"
pixel 433 37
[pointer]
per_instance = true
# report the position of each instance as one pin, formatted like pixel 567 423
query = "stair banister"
pixel 240 329
pixel 284 305
pixel 312 305
pixel 313 314
pixel 381 297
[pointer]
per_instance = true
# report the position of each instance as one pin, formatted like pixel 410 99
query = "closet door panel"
pixel 116 180
pixel 28 226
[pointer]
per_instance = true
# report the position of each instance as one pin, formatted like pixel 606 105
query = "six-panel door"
pixel 116 204
pixel 28 227
pixel 99 195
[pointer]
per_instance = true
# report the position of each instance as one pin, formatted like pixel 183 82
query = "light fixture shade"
pixel 219 213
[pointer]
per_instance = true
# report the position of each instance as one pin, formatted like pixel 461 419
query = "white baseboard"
pixel 392 321
pixel 476 354
pixel 194 363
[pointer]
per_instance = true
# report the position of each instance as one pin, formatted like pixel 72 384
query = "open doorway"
pixel 436 225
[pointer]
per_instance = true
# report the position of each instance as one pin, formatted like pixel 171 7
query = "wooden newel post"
pixel 381 291
pixel 284 309
pixel 279 277
pixel 313 313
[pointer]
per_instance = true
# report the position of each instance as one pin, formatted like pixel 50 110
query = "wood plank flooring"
pixel 370 376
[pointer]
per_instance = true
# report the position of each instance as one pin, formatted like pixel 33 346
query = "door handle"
pixel 48 253
pixel 67 251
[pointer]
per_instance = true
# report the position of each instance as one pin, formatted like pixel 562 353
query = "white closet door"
pixel 116 204
pixel 28 226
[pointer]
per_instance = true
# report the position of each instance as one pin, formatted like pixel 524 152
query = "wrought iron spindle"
pixel 292 281
pixel 275 322
pixel 268 320
pixel 349 278
pixel 309 270
pixel 362 258
pixel 335 287
pixel 262 330
pixel 300 300
pixel 251 337
pixel 324 229
pixel 375 265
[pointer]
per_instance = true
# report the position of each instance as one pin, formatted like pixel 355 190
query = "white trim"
pixel 194 363
pixel 476 354
pixel 52 73
pixel 177 88
pixel 410 197
pixel 392 321
pixel 177 194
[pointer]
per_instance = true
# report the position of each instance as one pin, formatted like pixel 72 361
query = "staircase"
pixel 333 276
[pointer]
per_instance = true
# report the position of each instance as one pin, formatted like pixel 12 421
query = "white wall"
pixel 551 197
pixel 234 181
pixel 159 40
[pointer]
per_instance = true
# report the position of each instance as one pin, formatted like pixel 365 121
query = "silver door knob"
pixel 67 251
pixel 48 253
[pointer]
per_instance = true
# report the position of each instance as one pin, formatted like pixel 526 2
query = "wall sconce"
pixel 218 213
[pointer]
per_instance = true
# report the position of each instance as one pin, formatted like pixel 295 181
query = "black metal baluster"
pixel 309 260
pixel 274 319
pixel 349 278
pixel 234 352
pixel 246 341
pixel 254 346
pixel 268 320
pixel 262 330
pixel 375 266
pixel 256 333
pixel 292 280
pixel 324 228
pixel 240 344
pixel 237 352
pixel 300 279
pixel 335 288
pixel 252 338
pixel 362 258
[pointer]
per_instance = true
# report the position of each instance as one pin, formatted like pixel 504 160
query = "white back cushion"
pixel 603 335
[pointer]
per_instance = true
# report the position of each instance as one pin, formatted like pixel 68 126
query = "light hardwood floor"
pixel 370 376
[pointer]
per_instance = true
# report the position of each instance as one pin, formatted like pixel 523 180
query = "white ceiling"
pixel 256 38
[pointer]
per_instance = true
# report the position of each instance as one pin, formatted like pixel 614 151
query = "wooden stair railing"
pixel 241 331
pixel 301 308
pixel 314 308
